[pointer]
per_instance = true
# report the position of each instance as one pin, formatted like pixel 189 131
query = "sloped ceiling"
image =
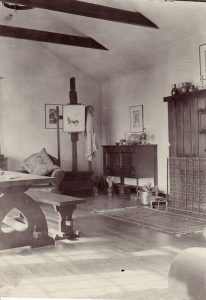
pixel 130 47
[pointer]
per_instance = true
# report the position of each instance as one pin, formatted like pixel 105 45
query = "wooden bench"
pixel 58 210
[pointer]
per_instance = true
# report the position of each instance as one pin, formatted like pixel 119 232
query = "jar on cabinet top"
pixel 192 88
pixel 185 87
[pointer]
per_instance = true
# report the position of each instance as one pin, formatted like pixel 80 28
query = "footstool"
pixel 157 200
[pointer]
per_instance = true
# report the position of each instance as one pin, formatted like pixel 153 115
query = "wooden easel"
pixel 76 178
pixel 74 136
pixel 58 135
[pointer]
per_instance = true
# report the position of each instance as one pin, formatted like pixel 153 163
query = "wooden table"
pixel 34 233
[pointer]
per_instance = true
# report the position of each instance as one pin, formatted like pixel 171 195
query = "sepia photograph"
pixel 51 115
pixel 136 118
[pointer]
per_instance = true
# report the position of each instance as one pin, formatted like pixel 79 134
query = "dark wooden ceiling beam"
pixel 49 37
pixel 190 0
pixel 90 10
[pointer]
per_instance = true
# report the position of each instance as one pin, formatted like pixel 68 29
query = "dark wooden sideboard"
pixel 130 161
pixel 3 162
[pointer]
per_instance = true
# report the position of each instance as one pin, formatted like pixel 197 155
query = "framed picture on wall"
pixel 51 116
pixel 74 118
pixel 136 118
pixel 202 58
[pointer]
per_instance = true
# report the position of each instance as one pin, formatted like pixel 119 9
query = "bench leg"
pixel 35 231
pixel 65 222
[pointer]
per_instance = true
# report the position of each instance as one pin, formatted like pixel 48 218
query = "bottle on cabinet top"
pixel 174 90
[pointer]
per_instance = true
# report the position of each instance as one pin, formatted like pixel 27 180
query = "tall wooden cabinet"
pixel 130 161
pixel 187 155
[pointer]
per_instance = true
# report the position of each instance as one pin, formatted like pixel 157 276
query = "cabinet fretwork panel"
pixel 187 184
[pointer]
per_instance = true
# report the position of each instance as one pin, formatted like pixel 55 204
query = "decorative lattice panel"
pixel 187 181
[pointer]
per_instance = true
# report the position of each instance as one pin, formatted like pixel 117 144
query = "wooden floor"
pixel 111 260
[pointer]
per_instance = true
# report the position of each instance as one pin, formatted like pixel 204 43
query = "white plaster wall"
pixel 183 61
pixel 33 76
pixel 148 88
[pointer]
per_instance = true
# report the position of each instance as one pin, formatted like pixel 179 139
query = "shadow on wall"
pixel 14 164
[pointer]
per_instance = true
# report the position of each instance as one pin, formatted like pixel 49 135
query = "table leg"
pixel 66 221
pixel 36 233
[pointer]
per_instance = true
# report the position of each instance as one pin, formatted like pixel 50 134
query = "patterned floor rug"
pixel 164 221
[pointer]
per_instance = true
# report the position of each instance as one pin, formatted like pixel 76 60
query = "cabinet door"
pixel 180 128
pixel 194 128
pixel 172 128
pixel 111 161
pixel 202 136
pixel 186 127
pixel 127 162
pixel 183 128
pixel 146 161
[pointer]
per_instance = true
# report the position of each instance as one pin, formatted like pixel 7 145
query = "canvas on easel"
pixel 74 118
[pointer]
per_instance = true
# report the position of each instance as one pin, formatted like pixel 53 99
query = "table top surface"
pixel 9 178
pixel 55 199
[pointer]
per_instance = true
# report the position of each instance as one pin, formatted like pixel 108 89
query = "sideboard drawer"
pixel 128 172
pixel 112 171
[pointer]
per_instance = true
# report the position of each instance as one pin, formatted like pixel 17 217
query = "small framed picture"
pixel 202 121
pixel 202 58
pixel 136 118
pixel 51 116
pixel 74 118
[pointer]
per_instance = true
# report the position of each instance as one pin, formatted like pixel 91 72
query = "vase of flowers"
pixel 144 198
pixel 143 194
pixel 109 180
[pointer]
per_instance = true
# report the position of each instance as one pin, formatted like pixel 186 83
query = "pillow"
pixel 54 160
pixel 38 163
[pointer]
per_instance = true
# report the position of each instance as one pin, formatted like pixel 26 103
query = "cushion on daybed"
pixel 39 163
